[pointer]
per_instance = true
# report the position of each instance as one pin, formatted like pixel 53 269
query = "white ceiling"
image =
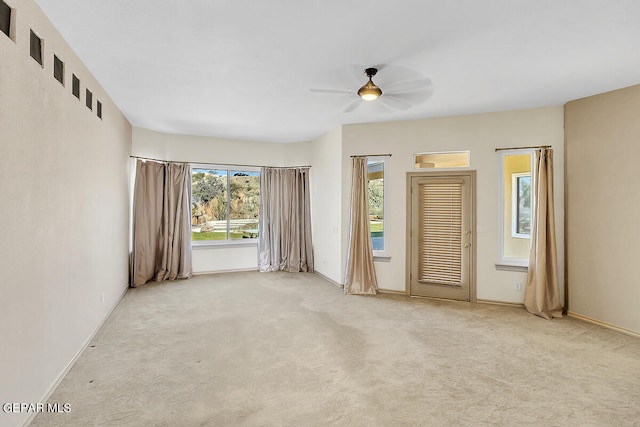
pixel 243 69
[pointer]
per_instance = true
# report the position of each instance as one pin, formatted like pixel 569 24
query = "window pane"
pixel 517 206
pixel 376 203
pixel 209 204
pixel 522 219
pixel 457 159
pixel 244 204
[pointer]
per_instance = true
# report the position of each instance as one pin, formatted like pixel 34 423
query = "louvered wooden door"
pixel 441 236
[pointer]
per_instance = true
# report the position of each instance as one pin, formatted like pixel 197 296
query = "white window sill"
pixel 219 244
pixel 381 256
pixel 513 265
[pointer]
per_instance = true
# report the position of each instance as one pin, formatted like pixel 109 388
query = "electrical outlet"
pixel 517 287
pixel 102 297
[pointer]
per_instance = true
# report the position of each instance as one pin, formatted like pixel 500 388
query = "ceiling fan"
pixel 400 95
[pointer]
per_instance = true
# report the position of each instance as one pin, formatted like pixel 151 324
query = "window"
pixel 452 159
pixel 225 204
pixel 5 20
pixel 375 169
pixel 58 69
pixel 516 196
pixel 36 47
pixel 99 109
pixel 89 99
pixel 75 86
pixel 521 205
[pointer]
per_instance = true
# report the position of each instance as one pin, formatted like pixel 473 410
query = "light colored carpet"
pixel 290 349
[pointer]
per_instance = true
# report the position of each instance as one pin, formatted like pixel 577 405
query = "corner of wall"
pixel 326 204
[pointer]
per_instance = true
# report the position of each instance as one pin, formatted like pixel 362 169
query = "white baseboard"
pixel 66 370
pixel 329 280
pixel 392 292
pixel 237 270
pixel 508 304
pixel 605 324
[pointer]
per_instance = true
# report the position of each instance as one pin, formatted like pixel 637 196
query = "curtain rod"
pixel 523 148
pixel 372 155
pixel 219 164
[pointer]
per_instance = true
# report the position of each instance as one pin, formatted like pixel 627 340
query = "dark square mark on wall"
pixel 58 69
pixel 75 86
pixel 36 47
pixel 5 18
pixel 89 99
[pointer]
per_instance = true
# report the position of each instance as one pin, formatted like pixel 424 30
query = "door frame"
pixel 472 257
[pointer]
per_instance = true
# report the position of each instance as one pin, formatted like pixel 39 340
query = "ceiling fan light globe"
pixel 369 91
pixel 369 96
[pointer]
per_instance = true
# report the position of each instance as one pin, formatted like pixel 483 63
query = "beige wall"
pixel 64 213
pixel 602 149
pixel 200 149
pixel 480 134
pixel 326 195
pixel 194 149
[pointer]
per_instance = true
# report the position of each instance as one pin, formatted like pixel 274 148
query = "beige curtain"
pixel 360 277
pixel 284 240
pixel 542 296
pixel 161 222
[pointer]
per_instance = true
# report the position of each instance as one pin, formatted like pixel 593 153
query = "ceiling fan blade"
pixel 338 91
pixel 409 86
pixel 355 104
pixel 395 102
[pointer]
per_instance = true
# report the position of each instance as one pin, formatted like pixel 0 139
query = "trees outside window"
pixel 225 204
pixel 375 171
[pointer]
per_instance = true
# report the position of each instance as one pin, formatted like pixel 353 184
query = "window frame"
pixel 201 244
pixel 379 255
pixel 504 262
